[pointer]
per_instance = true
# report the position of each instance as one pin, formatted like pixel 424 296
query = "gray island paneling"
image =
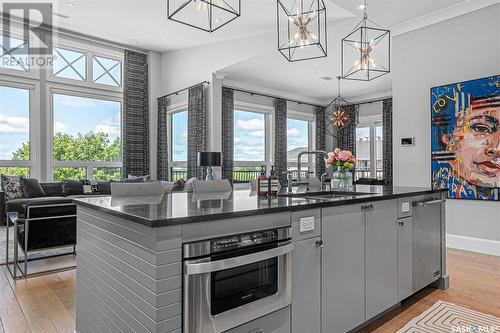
pixel 355 264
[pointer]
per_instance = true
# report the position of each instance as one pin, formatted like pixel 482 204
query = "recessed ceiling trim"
pixel 440 15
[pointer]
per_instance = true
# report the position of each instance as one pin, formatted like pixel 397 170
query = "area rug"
pixel 33 255
pixel 444 317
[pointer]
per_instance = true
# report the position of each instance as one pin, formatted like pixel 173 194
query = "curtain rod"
pixel 183 89
pixel 365 102
pixel 273 96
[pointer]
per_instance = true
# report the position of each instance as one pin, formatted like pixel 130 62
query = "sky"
pixel 72 115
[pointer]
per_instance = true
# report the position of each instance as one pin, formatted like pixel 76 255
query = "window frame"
pixel 372 125
pixel 171 110
pixel 32 72
pixel 269 119
pixel 34 119
pixel 311 140
pixel 90 53
pixel 56 89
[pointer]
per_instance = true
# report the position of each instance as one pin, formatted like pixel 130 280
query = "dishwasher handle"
pixel 428 203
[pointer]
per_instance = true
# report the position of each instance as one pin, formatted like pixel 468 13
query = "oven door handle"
pixel 219 265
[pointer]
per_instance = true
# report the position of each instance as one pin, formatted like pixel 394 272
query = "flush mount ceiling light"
pixel 206 15
pixel 340 113
pixel 366 50
pixel 302 29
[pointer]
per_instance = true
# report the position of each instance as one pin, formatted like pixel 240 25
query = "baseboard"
pixel 472 244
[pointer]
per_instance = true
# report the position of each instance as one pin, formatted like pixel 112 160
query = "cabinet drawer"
pixel 276 322
pixel 306 224
pixel 405 207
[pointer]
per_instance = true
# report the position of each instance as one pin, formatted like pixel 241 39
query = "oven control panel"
pixel 244 240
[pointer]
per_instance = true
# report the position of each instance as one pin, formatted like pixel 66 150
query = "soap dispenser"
pixel 273 182
pixel 262 183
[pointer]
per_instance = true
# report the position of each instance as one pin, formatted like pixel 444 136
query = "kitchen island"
pixel 332 262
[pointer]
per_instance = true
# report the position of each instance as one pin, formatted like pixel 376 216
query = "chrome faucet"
pixel 307 152
pixel 322 179
pixel 289 180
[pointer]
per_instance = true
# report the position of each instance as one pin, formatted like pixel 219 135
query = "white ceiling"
pixel 143 23
pixel 272 71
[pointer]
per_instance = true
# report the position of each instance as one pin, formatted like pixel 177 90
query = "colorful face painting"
pixel 466 138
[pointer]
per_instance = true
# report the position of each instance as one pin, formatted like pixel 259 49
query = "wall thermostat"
pixel 407 141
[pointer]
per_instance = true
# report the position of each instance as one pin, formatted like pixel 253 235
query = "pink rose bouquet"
pixel 342 159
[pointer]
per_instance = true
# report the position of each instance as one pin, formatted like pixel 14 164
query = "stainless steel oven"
pixel 232 280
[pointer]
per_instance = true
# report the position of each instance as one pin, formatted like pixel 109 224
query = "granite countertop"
pixel 187 207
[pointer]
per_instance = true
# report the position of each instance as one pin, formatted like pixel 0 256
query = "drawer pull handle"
pixel 260 330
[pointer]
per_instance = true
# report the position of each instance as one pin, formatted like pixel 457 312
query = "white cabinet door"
pixel 343 292
pixel 381 257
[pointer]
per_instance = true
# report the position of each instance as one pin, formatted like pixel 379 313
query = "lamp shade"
pixel 208 158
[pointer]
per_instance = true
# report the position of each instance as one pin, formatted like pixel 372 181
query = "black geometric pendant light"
pixel 366 51
pixel 206 15
pixel 302 29
pixel 340 113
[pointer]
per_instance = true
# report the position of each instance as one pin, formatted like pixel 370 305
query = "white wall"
pixel 463 48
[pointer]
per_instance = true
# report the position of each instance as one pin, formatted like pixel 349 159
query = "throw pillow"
pixel 144 178
pixel 178 185
pixel 53 189
pixel 31 188
pixel 11 185
pixel 90 186
pixel 188 187
pixel 72 187
pixel 104 187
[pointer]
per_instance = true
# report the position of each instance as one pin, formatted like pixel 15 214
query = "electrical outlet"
pixel 306 223
pixel 405 207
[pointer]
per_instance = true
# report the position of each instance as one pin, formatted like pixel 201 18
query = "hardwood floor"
pixel 46 303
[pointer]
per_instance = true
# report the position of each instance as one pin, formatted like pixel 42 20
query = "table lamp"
pixel 209 159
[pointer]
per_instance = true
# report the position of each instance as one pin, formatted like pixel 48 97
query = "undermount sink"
pixel 325 195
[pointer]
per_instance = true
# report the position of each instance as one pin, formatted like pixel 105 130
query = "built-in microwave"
pixel 232 280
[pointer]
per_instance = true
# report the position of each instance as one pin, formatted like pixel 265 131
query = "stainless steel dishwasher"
pixel 426 241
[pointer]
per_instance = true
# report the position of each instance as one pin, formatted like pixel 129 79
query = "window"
pixel 379 148
pixel 369 148
pixel 299 139
pixel 106 71
pixel 11 52
pixel 178 151
pixel 69 64
pixel 14 131
pixel 249 144
pixel 363 158
pixel 87 138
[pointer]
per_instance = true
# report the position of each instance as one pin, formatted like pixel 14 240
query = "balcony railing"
pixel 178 174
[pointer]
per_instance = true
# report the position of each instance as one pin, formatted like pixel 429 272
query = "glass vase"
pixel 339 180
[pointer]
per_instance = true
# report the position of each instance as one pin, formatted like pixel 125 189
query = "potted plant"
pixel 342 162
